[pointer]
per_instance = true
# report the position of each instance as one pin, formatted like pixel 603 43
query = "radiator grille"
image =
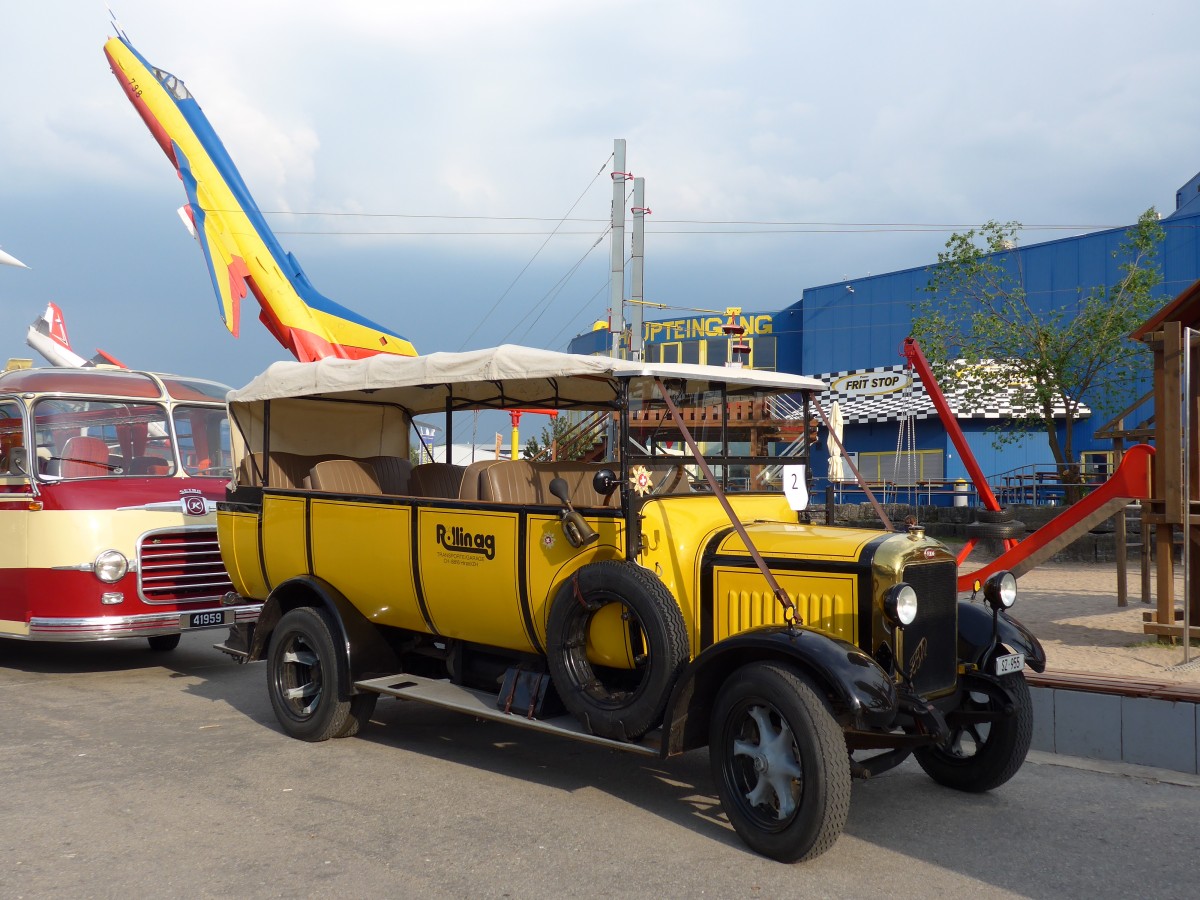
pixel 936 624
pixel 181 566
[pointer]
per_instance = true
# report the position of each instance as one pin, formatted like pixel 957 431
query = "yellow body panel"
pixel 468 575
pixel 786 539
pixel 675 533
pixel 239 533
pixel 825 602
pixel 284 537
pixel 467 580
pixel 551 559
pixel 365 551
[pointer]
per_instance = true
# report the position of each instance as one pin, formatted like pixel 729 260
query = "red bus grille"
pixel 181 565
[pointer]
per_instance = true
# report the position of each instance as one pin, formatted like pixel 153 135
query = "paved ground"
pixel 126 774
pixel 1072 608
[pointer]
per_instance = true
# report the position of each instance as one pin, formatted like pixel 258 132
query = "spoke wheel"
pixel 981 755
pixel 304 683
pixel 780 763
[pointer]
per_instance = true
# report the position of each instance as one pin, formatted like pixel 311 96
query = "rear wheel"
pixel 982 753
pixel 303 680
pixel 780 763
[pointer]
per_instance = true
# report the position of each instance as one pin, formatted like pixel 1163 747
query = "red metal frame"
pixel 1131 481
pixel 916 360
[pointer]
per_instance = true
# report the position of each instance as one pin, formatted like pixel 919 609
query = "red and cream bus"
pixel 108 488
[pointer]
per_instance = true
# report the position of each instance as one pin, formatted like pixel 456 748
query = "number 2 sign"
pixel 795 486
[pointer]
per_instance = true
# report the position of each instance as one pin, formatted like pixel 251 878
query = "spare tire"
pixel 615 645
pixel 996 530
pixel 1004 514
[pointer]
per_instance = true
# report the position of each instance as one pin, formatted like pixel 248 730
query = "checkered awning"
pixel 912 400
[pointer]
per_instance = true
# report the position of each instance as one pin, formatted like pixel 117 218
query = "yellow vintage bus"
pixel 664 592
pixel 108 488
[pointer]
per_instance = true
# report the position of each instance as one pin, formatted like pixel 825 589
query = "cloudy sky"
pixel 417 157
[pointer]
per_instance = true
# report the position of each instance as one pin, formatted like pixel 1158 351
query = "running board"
pixel 482 705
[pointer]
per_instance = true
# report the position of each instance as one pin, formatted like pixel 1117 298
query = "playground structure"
pixel 1172 513
pixel 1130 481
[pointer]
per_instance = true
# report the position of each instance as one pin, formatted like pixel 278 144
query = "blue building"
pixel 852 331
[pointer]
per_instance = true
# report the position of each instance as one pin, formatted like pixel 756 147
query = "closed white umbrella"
pixel 836 472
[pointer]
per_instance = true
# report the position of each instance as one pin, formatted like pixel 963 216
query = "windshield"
pixel 101 439
pixel 203 433
pixel 79 438
pixel 746 440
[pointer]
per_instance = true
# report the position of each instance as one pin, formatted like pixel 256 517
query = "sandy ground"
pixel 1072 608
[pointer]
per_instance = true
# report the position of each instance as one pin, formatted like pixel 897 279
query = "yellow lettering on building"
pixel 700 327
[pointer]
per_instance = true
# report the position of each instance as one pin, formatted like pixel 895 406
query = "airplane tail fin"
pixel 48 336
pixel 241 252
pixel 55 326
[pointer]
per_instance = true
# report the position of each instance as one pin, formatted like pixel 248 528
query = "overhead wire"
pixel 835 226
pixel 544 303
pixel 525 268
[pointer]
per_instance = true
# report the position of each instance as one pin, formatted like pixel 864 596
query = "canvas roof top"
pixel 521 375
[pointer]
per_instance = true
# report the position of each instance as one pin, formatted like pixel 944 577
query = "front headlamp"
pixel 110 566
pixel 900 605
pixel 1000 590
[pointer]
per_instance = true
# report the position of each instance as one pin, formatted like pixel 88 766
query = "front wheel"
pixel 304 683
pixel 163 643
pixel 780 763
pixel 986 746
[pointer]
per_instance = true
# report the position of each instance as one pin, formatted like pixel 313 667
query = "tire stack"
pixel 996 525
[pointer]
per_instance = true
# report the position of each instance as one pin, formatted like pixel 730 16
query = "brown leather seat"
pixel 85 457
pixel 525 483
pixel 344 476
pixel 578 476
pixel 284 470
pixel 436 480
pixel 392 472
pixel 470 487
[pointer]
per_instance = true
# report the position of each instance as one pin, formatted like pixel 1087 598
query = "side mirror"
pixel 18 461
pixel 604 482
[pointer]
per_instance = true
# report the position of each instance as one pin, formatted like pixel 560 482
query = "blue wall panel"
pixel 861 323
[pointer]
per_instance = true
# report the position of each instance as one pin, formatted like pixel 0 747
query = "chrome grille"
pixel 936 625
pixel 181 565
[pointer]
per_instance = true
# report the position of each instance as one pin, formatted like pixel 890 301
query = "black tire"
pixel 617 703
pixel 996 530
pixel 1004 514
pixel 163 643
pixel 798 811
pixel 980 756
pixel 303 680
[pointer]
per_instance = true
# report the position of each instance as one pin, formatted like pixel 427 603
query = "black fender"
pixel 365 652
pixel 862 693
pixel 975 636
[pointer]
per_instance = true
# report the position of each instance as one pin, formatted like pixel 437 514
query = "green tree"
pixel 980 331
pixel 558 439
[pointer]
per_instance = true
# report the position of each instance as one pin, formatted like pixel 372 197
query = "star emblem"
pixel 639 477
